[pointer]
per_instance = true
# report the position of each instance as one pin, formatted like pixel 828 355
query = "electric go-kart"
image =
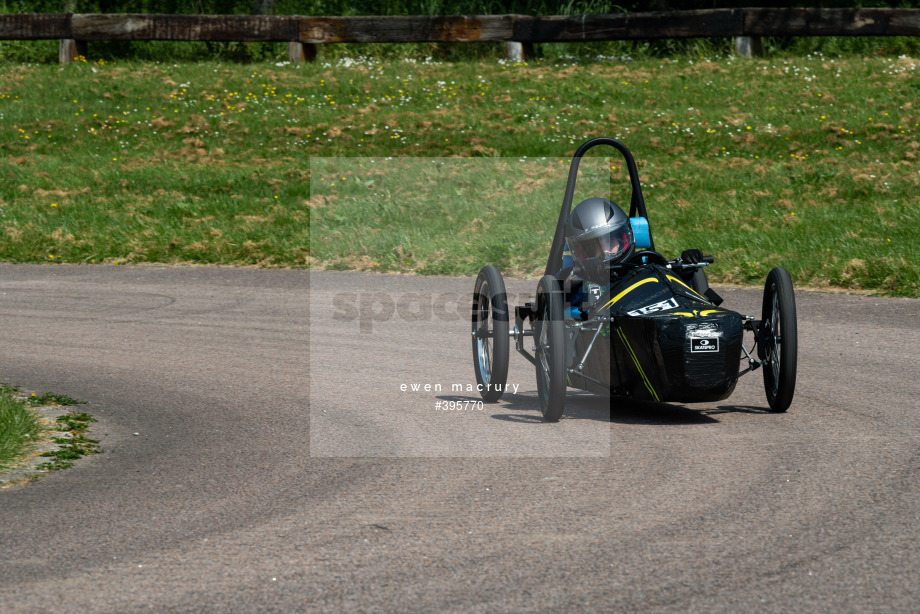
pixel 656 332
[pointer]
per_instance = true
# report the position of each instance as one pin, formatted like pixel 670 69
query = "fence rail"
pixel 715 23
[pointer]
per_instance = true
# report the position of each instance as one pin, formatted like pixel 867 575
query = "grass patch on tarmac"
pixel 805 162
pixel 20 427
pixel 22 430
pixel 74 445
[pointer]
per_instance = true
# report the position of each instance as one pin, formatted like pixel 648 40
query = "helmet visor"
pixel 603 244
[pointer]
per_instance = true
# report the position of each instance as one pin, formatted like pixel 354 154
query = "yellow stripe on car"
pixel 695 314
pixel 628 290
pixel 648 384
pixel 688 288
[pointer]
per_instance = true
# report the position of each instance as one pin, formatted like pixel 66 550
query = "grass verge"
pixel 810 162
pixel 22 430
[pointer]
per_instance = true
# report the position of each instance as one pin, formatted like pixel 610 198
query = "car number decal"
pixel 698 344
pixel 671 303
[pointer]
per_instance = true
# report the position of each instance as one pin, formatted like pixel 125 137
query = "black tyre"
pixel 549 341
pixel 780 340
pixel 490 334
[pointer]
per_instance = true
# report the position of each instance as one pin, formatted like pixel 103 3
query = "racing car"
pixel 614 317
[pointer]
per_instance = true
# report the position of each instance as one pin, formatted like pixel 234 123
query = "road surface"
pixel 264 450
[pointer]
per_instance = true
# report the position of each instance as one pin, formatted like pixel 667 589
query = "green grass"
pixel 75 446
pixel 49 398
pixel 806 162
pixel 475 210
pixel 19 427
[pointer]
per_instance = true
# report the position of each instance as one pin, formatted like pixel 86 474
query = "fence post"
pixel 69 49
pixel 301 52
pixel 749 46
pixel 518 52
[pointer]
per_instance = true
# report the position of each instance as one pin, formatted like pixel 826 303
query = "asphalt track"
pixel 245 471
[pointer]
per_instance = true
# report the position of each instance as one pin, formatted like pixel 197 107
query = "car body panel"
pixel 662 342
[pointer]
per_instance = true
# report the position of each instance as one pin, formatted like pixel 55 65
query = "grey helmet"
pixel 599 236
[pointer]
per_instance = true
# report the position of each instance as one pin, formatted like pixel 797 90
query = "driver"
pixel 598 237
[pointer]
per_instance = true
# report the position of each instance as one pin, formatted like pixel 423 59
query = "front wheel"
pixel 780 339
pixel 549 343
pixel 490 334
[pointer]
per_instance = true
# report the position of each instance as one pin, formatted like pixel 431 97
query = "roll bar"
pixel 636 201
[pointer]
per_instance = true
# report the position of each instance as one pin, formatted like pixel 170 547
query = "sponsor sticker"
pixel 698 344
pixel 671 303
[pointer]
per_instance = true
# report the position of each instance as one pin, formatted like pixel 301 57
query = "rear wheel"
pixel 780 340
pixel 549 342
pixel 490 333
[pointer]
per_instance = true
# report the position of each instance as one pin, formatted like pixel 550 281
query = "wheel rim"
pixel 542 344
pixel 484 343
pixel 776 340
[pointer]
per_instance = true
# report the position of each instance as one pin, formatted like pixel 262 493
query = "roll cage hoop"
pixel 636 201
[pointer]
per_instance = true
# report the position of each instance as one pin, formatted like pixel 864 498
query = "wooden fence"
pixel 304 33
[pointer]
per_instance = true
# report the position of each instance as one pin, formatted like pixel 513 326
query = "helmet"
pixel 599 236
